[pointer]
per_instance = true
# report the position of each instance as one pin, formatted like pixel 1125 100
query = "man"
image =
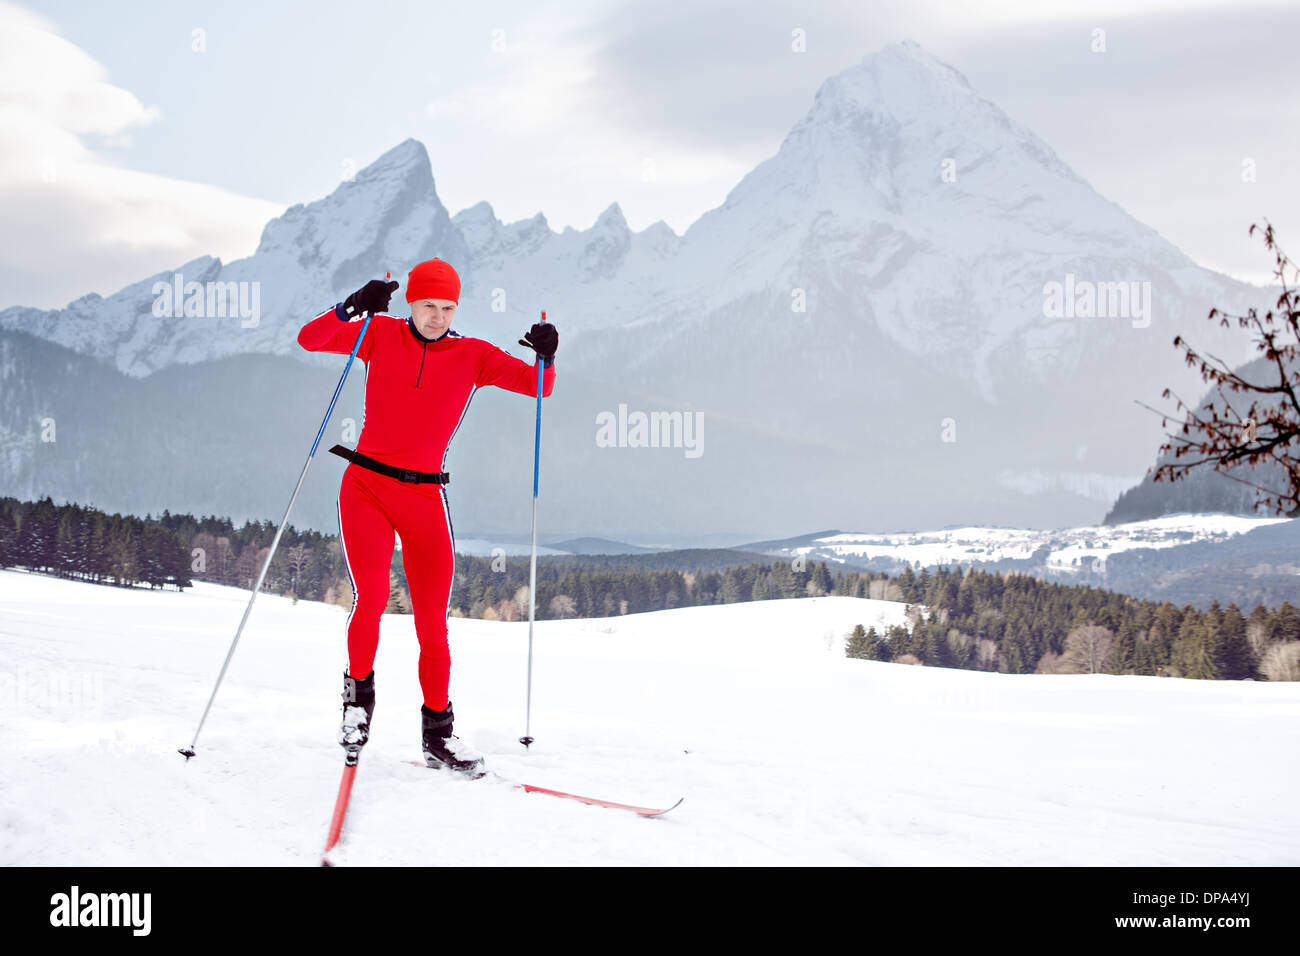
pixel 420 377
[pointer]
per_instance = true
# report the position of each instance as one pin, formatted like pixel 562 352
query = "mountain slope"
pixel 865 340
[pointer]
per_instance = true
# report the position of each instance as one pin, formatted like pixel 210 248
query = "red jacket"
pixel 421 388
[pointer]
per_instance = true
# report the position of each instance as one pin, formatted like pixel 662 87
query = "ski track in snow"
pixel 786 752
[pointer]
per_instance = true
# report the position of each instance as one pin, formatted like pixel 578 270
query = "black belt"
pixel 401 474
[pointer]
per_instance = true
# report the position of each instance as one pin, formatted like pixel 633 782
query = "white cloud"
pixel 545 83
pixel 63 203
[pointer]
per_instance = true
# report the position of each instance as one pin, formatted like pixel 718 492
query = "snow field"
pixel 786 752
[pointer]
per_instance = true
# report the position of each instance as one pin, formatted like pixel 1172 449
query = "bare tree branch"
pixel 1220 435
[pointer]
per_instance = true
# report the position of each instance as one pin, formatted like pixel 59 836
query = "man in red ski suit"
pixel 420 378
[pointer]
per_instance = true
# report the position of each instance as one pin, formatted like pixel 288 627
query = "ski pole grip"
pixel 351 312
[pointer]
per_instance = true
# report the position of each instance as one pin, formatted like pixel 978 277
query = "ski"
pixel 340 805
pixel 590 801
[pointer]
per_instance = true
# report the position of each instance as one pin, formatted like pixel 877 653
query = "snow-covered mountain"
pixel 871 763
pixel 863 327
pixel 388 215
pixel 950 271
pixel 1061 552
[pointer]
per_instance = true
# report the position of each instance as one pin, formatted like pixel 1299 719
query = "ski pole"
pixel 526 739
pixel 275 543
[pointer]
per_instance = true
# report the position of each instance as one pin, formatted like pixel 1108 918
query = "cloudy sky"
pixel 135 136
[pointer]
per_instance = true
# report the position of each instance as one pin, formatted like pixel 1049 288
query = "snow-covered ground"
pixel 786 752
pixel 1069 549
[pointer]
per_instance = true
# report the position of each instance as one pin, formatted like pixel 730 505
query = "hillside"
pixel 786 752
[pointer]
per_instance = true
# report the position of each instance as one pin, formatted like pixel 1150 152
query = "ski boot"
pixel 442 748
pixel 358 706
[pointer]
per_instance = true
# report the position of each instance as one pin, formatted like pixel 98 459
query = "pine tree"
pixel 783 584
pixel 965 603
pixel 1192 651
pixel 1284 624
pixel 821 578
pixel 398 600
pixel 907 583
pixel 8 534
pixel 935 650
pixel 65 544
pixel 97 547
pixel 857 645
pixel 1143 660
pixel 896 642
pixel 1160 637
pixel 37 530
pixel 1123 656
pixel 635 591
pixel 1234 659
pixel 1014 651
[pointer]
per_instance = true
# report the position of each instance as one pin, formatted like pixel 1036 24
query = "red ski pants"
pixel 372 507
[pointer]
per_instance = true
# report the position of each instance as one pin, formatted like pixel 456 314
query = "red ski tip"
pixel 340 807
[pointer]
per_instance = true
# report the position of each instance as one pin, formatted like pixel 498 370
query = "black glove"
pixel 372 297
pixel 542 339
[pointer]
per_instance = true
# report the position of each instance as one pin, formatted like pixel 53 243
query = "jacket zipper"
pixel 421 375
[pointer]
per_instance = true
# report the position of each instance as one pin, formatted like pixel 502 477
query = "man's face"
pixel 432 317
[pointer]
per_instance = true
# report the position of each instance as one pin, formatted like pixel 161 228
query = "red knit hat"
pixel 433 280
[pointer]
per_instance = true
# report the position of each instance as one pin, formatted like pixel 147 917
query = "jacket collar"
pixel 410 324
